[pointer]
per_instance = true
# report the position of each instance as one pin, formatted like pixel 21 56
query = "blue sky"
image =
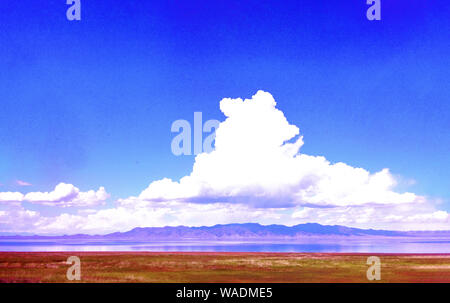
pixel 91 102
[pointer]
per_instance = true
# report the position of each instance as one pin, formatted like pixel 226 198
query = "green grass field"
pixel 221 267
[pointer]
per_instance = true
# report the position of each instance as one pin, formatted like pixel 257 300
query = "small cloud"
pixel 11 197
pixel 22 183
pixel 66 195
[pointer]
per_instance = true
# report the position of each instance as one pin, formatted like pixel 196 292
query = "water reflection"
pixel 438 246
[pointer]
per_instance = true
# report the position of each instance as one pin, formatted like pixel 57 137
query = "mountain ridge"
pixel 242 231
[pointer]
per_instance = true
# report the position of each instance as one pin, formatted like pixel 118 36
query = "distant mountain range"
pixel 246 231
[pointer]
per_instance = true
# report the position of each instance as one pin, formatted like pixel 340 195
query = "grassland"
pixel 221 267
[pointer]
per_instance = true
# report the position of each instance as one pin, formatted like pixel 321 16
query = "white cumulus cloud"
pixel 257 161
pixel 11 196
pixel 63 195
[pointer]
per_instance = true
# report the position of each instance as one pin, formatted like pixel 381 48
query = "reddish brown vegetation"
pixel 221 267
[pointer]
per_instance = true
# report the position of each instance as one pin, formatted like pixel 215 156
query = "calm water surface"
pixel 407 246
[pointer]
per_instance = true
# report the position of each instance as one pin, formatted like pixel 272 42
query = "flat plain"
pixel 205 267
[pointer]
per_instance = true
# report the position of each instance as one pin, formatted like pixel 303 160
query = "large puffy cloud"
pixel 257 161
pixel 63 195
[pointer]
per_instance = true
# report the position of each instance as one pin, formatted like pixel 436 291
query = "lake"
pixel 385 246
